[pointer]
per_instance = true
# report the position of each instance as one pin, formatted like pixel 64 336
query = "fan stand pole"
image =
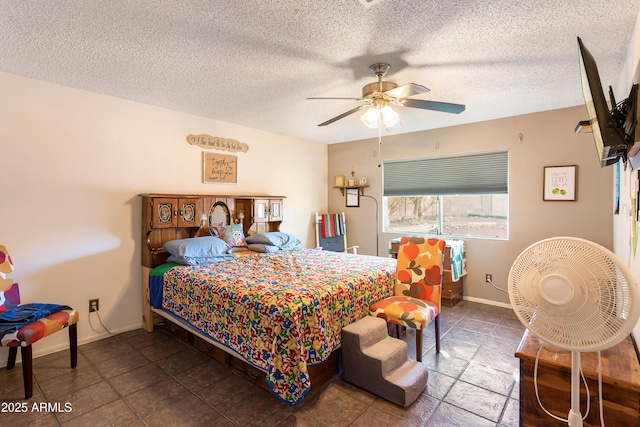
pixel 575 418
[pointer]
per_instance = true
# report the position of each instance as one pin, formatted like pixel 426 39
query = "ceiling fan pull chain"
pixel 380 138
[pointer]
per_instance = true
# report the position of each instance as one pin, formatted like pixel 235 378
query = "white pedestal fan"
pixel 576 295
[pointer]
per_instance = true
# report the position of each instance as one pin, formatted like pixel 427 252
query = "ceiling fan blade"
pixel 445 107
pixel 406 90
pixel 351 99
pixel 343 115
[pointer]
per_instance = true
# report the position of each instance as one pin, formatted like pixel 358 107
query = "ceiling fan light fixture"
pixel 370 118
pixel 389 117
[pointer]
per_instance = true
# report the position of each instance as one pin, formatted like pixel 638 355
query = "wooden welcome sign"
pixel 219 168
pixel 217 143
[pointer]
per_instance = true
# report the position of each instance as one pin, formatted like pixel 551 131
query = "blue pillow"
pixel 197 247
pixel 262 248
pixel 275 238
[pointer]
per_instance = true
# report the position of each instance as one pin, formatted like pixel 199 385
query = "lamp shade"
pixel 389 117
pixel 370 118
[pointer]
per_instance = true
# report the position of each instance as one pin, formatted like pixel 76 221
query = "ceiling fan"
pixel 380 96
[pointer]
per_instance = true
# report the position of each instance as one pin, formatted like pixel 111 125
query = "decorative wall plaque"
pixel 559 183
pixel 219 168
pixel 217 143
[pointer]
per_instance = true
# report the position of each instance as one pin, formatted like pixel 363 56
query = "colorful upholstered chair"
pixel 418 289
pixel 23 324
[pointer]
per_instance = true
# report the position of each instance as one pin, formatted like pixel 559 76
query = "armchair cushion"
pixel 405 311
pixel 419 271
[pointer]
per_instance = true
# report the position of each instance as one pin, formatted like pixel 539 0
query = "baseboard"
pixel 488 302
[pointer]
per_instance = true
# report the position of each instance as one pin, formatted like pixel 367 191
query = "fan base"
pixel 380 69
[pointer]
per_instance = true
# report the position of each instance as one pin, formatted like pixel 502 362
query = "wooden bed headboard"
pixel 178 216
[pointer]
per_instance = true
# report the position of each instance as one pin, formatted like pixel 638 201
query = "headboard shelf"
pixel 178 216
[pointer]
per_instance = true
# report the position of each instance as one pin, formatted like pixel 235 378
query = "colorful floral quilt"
pixel 281 311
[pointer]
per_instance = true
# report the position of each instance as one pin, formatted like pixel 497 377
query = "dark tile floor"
pixel 141 379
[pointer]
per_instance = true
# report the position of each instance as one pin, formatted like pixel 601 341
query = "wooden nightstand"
pixel 620 383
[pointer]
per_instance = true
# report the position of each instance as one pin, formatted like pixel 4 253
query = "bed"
pixel 281 312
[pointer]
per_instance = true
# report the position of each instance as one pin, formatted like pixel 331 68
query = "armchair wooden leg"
pixel 27 371
pixel 73 344
pixel 11 361
pixel 436 326
pixel 419 345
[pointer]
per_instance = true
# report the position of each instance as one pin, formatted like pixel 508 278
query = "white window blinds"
pixel 478 173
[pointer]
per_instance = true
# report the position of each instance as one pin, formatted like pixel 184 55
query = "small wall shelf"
pixel 359 187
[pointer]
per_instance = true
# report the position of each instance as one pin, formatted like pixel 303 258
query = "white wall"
pixel 624 225
pixel 73 164
pixel 548 139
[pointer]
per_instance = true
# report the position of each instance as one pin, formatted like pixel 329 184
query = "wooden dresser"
pixel 620 382
pixel 451 291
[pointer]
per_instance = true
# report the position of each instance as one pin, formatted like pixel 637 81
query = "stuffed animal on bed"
pixel 233 235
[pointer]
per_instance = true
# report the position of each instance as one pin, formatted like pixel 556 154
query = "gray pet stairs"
pixel 378 363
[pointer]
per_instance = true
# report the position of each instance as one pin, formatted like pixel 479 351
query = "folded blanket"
pixel 156 283
pixel 25 314
pixel 332 225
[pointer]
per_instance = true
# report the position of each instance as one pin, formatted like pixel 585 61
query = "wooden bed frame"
pixel 189 217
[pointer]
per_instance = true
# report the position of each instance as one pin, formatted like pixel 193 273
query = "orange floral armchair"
pixel 418 289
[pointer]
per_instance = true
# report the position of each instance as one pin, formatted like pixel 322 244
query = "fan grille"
pixel 602 306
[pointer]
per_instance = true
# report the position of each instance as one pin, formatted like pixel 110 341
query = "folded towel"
pixel 458 258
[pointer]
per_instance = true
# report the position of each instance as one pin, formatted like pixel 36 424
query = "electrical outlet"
pixel 94 305
pixel 489 278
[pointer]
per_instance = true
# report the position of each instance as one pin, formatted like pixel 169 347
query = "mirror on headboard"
pixel 219 216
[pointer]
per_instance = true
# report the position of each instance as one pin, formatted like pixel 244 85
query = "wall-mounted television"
pixel 614 130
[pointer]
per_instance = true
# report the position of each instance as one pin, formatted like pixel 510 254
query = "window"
pixel 465 195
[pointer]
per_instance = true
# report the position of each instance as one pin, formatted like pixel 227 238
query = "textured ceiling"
pixel 254 63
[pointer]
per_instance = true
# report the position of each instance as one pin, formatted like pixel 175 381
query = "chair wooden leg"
pixel 436 326
pixel 398 332
pixel 27 371
pixel 419 345
pixel 11 361
pixel 73 344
